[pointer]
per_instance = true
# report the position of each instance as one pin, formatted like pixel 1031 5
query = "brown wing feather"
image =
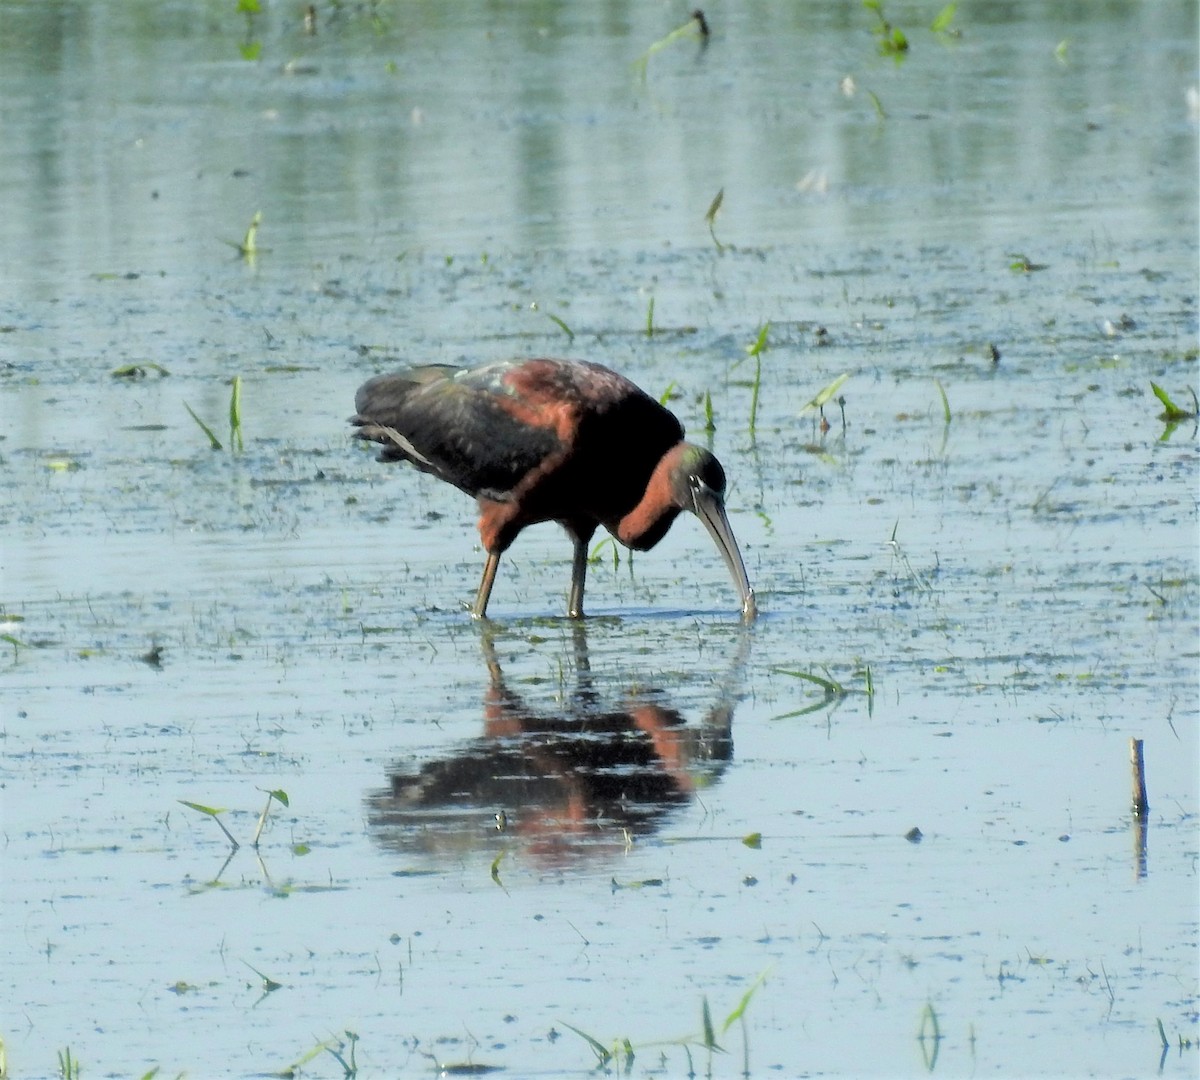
pixel 452 423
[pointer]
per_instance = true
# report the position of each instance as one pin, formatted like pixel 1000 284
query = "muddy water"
pixel 1016 586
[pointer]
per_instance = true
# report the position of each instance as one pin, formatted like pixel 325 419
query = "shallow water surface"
pixel 901 798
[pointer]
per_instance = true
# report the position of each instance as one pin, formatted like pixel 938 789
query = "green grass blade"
pixel 740 1008
pixel 562 326
pixel 826 393
pixel 945 400
pixel 213 441
pixel 598 1048
pixel 944 18
pixel 828 685
pixel 235 414
pixel 211 811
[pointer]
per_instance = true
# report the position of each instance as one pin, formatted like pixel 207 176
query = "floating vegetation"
pixel 1022 264
pixel 139 370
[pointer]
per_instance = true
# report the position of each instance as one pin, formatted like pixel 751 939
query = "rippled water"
pixel 964 619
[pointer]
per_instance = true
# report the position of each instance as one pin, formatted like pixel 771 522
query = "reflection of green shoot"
pixel 213 813
pixel 710 217
pixel 696 26
pixel 277 795
pixel 929 1036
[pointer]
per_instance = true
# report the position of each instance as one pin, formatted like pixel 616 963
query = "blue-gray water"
pixel 1017 586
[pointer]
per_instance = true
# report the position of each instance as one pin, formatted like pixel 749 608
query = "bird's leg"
pixel 578 573
pixel 479 611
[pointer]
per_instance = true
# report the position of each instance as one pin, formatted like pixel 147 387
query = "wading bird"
pixel 550 440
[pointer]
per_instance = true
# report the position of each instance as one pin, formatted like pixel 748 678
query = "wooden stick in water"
pixel 1141 805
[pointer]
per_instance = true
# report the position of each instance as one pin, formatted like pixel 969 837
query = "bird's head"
pixel 697 483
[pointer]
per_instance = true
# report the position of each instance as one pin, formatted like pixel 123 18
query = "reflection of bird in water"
pixel 582 780
pixel 550 440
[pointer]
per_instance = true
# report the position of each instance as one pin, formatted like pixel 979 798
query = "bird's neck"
pixel 647 523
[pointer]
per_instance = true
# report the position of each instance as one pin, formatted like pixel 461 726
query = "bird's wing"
pixel 467 427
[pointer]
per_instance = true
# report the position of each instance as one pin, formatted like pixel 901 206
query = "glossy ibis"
pixel 550 440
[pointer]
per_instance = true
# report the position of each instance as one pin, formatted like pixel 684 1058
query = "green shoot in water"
pixel 68 1066
pixel 650 318
pixel 696 26
pixel 709 423
pixel 235 415
pixel 943 19
pixel 711 217
pixel 213 813
pixel 213 441
pixel 756 350
pixel 1172 412
pixel 562 326
pixel 248 247
pixel 945 400
pixel 892 40
pixel 278 795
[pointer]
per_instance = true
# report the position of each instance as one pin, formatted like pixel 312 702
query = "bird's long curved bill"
pixel 711 510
